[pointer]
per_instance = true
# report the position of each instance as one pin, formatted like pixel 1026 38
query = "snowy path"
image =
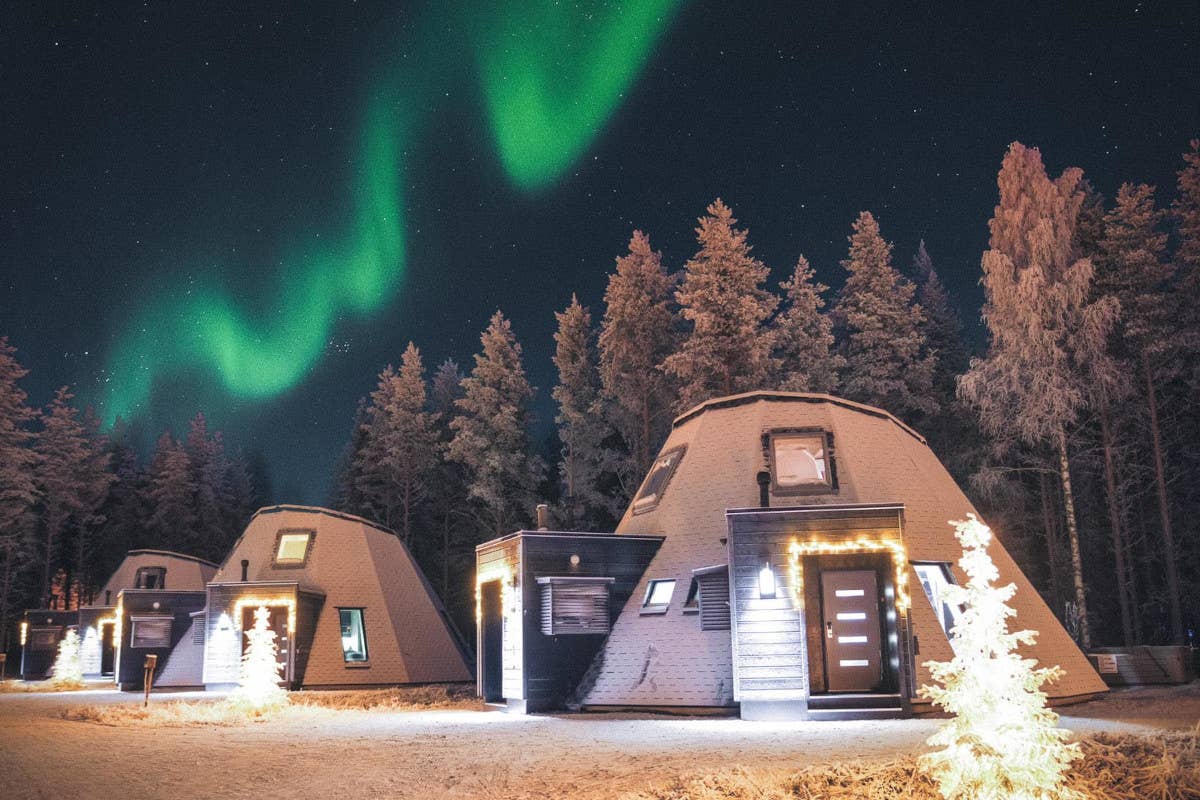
pixel 452 754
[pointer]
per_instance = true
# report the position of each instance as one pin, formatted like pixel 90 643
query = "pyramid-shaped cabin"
pixel 349 605
pixel 786 556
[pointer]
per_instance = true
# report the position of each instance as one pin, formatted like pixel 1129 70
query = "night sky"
pixel 187 183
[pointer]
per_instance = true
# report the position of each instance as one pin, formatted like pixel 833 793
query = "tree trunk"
pixel 1051 543
pixel 1164 511
pixel 1064 472
pixel 52 526
pixel 1116 529
pixel 445 555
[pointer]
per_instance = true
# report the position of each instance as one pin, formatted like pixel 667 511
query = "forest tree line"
pixel 1073 430
pixel 74 499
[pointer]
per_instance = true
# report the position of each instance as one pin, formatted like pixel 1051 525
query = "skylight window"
pixel 656 482
pixel 291 548
pixel 800 462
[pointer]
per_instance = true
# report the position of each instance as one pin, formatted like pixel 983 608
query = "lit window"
pixel 292 548
pixel 354 635
pixel 149 632
pixel 935 578
pixel 658 597
pixel 656 482
pixel 799 462
pixel 150 578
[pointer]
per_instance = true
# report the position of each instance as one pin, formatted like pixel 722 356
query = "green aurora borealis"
pixel 549 75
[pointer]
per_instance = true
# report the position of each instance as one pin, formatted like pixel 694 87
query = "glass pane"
pixel 354 635
pixel 660 473
pixel 934 580
pixel 292 547
pixel 799 460
pixel 659 593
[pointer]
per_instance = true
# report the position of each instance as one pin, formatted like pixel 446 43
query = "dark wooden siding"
pixel 140 602
pixel 772 637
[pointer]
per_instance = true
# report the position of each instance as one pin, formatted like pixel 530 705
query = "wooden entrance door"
pixel 283 637
pixel 850 603
pixel 491 645
pixel 107 650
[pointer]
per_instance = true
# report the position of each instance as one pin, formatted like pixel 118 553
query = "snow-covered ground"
pixel 453 753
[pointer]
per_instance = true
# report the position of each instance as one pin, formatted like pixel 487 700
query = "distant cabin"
pixel 169 585
pixel 347 601
pixel 786 556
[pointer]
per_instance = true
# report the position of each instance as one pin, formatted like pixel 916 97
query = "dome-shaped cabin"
pixel 795 548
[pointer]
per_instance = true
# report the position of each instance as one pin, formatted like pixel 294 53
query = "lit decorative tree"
pixel 68 666
pixel 1002 742
pixel 258 687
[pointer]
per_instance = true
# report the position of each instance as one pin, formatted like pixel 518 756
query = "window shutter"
pixel 199 625
pixel 714 600
pixel 150 632
pixel 574 605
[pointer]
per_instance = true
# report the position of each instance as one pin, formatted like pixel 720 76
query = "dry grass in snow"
pixel 303 705
pixel 1161 767
pixel 34 687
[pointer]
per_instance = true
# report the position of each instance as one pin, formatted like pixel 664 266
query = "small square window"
pixel 935 579
pixel 658 596
pixel 801 462
pixel 292 548
pixel 692 604
pixel 150 578
pixel 656 482
pixel 150 632
pixel 354 635
pixel 43 639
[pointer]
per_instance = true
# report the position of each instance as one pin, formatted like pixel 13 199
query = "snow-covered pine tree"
pixel 17 488
pixel 1047 336
pixel 1185 211
pixel 87 527
pixel 258 688
pixel 208 467
pixel 396 463
pixel 449 487
pixel 1131 266
pixel 637 334
pixel 1002 742
pixel 803 336
pixel 888 363
pixel 71 477
pixel 170 494
pixel 726 349
pixel 67 672
pixel 346 495
pixel 491 434
pixel 582 428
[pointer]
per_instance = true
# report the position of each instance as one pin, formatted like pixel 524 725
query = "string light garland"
pixel 797 550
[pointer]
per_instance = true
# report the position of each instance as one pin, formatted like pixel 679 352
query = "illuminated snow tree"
pixel 258 687
pixel 68 664
pixel 1002 742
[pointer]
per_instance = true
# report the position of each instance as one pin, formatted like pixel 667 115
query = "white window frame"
pixel 652 588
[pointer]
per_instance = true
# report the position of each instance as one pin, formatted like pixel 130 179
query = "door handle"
pixel 828 630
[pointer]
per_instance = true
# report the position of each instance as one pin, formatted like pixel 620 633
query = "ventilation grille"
pixel 714 600
pixel 574 606
pixel 199 626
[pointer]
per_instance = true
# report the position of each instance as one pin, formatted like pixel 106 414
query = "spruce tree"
pixel 347 480
pixel 491 434
pixel 582 428
pixel 1002 742
pixel 803 336
pixel 71 477
pixel 18 491
pixel 258 688
pixel 636 335
pixel 888 363
pixel 449 493
pixel 725 349
pixel 208 469
pixel 67 672
pixel 942 327
pixel 1186 213
pixel 401 449
pixel 1131 267
pixel 171 492
pixel 1047 336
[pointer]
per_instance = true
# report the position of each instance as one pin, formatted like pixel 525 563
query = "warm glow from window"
pixel 293 547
